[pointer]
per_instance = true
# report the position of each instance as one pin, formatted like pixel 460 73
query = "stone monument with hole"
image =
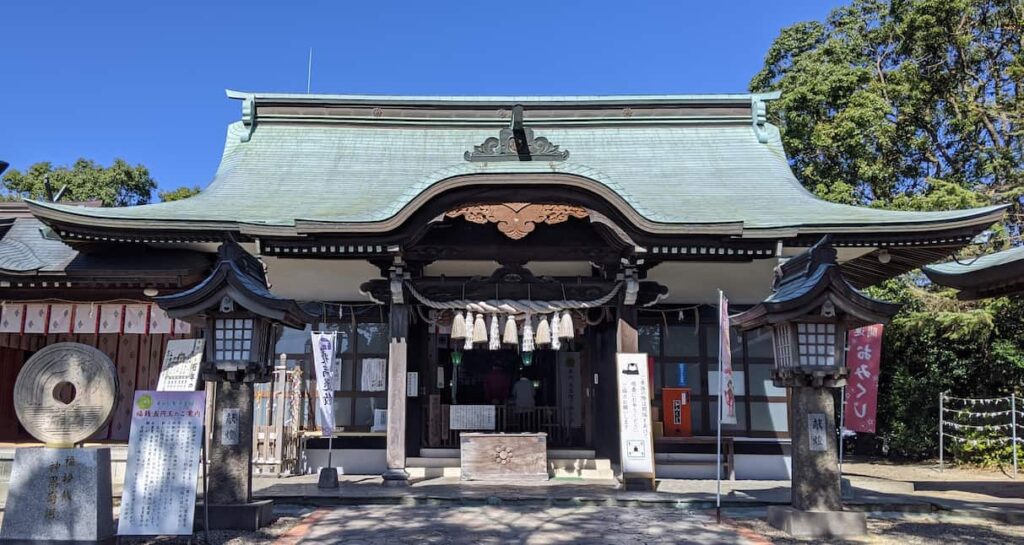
pixel 61 493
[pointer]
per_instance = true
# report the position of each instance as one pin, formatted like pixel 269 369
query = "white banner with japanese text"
pixel 323 360
pixel 636 441
pixel 727 390
pixel 162 471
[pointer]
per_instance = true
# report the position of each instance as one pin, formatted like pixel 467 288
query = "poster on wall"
pixel 323 361
pixel 636 442
pixel 162 471
pixel 863 359
pixel 180 369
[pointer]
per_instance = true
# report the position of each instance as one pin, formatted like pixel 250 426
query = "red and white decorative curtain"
pixel 88 318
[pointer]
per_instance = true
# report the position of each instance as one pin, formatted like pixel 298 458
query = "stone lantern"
pixel 810 310
pixel 240 320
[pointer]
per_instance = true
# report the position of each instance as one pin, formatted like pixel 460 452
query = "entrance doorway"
pixel 545 393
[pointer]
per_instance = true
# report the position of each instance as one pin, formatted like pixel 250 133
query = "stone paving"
pixel 492 525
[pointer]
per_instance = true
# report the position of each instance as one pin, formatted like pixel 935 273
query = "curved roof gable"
pixel 362 161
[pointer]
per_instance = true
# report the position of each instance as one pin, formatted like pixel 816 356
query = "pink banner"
pixel 864 360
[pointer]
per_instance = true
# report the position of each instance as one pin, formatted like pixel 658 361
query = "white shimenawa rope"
pixel 513 306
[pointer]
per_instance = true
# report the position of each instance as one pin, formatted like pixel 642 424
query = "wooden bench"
pixel 728 459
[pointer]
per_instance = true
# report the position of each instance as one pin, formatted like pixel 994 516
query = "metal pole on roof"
pixel 309 71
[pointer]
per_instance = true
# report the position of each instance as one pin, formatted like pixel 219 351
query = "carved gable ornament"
pixel 518 219
pixel 516 143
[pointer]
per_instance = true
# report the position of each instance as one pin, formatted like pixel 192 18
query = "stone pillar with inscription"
pixel 230 480
pixel 815 452
pixel 396 475
pixel 64 394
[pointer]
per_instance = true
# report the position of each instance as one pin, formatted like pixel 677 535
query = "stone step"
pixel 579 468
pixel 439 452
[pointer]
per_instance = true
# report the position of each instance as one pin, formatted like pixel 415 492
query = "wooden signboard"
pixel 504 456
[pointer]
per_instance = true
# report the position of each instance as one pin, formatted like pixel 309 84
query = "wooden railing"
pixel 276 438
pixel 554 421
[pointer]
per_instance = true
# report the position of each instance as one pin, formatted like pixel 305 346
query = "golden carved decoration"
pixel 518 219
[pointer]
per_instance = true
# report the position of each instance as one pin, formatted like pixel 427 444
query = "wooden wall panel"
pixel 127 362
pixel 11 361
pixel 142 368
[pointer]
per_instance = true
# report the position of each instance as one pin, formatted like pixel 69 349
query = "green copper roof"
pixel 287 169
pixel 992 275
pixel 969 265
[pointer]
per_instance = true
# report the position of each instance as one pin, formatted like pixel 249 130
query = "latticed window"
pixel 817 344
pixel 232 339
pixel 783 341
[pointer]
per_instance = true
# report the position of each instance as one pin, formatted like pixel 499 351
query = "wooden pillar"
pixel 627 338
pixel 397 358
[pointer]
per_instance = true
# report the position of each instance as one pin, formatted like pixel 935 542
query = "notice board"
pixel 162 472
pixel 635 435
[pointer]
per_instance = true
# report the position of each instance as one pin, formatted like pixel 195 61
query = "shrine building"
pixel 594 224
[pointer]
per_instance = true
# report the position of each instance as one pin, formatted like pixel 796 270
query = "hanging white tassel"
pixel 494 343
pixel 568 330
pixel 511 336
pixel 543 332
pixel 458 326
pixel 556 322
pixel 479 330
pixel 528 334
pixel 469 332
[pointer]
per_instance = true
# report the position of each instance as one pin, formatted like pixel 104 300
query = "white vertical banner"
pixel 726 389
pixel 323 360
pixel 636 441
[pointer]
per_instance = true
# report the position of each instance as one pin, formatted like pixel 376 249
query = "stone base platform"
pixel 817 523
pixel 243 516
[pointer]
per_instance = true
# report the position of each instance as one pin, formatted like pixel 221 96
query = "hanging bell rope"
pixel 513 306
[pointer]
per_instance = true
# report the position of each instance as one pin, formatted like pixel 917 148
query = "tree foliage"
pixel 182 192
pixel 915 105
pixel 885 97
pixel 120 184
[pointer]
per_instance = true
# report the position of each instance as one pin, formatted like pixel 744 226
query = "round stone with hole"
pixel 65 393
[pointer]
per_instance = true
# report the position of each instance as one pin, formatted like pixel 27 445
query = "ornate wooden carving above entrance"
pixel 518 219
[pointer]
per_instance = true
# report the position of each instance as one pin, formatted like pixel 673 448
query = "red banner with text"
pixel 864 360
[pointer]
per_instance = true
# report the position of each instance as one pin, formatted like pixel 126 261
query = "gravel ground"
pixel 908 530
pixel 286 517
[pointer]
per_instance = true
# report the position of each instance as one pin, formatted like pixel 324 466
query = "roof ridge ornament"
pixel 516 143
pixel 759 114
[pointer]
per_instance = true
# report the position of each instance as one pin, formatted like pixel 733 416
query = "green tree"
pixel 120 184
pixel 182 192
pixel 883 97
pixel 915 105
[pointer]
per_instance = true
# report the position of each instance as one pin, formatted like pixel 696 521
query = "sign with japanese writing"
pixel 636 441
pixel 817 432
pixel 324 344
pixel 180 369
pixel 726 392
pixel 570 387
pixel 471 417
pixel 863 359
pixel 229 422
pixel 162 472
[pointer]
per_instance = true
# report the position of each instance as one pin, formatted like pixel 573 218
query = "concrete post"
pixel 815 467
pixel 231 464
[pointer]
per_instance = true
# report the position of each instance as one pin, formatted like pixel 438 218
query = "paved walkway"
pixel 491 525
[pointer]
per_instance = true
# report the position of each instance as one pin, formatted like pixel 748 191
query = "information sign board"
pixel 636 441
pixel 180 369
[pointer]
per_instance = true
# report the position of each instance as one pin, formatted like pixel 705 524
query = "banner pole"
pixel 206 493
pixel 842 429
pixel 721 411
pixel 1013 424
pixel 942 424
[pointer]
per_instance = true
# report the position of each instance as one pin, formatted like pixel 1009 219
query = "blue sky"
pixel 144 80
